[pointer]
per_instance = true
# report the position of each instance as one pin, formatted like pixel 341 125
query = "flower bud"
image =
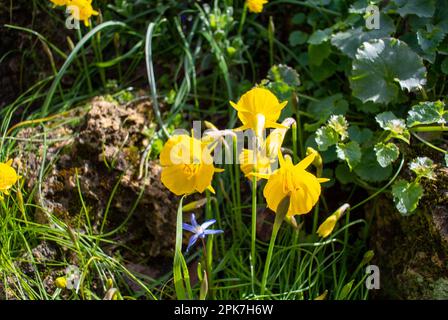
pixel 61 282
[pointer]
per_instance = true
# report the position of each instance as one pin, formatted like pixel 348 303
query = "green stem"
pixel 243 19
pixel 315 218
pixel 380 190
pixel 425 96
pixel 84 61
pixel 280 215
pixel 429 144
pixel 271 31
pixel 239 218
pixel 254 230
pixel 99 56
pixel 429 129
pixel 206 262
pixel 267 265
pixel 294 143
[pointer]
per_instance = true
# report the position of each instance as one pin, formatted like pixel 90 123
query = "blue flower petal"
pixel 208 223
pixel 193 221
pixel 192 241
pixel 187 227
pixel 213 231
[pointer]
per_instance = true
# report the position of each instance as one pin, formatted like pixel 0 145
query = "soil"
pixel 98 154
pixel 24 58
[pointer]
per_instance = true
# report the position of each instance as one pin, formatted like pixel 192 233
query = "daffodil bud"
pixel 322 296
pixel 326 228
pixel 368 256
pixel 20 201
pixel 61 282
pixel 117 40
pixel 109 283
pixel 194 205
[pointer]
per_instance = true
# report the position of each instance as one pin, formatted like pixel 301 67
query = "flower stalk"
pixel 282 210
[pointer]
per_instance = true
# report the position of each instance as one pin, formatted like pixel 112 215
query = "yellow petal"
pixel 306 161
pixel 306 195
pixel 273 191
pixel 281 159
pixel 274 142
pixel 326 228
pixel 242 128
pixel 176 181
pixel 273 124
pixel 204 177
pixel 238 107
pixel 260 175
pixel 210 188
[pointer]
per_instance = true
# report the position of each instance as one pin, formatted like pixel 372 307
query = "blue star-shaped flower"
pixel 200 231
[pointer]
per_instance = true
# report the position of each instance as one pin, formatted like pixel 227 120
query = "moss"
pixel 412 252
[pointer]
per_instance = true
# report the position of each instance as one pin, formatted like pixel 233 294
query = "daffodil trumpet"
pixel 294 181
pixel 187 165
pixel 259 109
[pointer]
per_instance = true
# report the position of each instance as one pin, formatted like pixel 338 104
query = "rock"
pixel 412 252
pixel 99 156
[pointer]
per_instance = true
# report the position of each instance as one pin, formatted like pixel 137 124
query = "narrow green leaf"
pixel 345 291
pixel 183 290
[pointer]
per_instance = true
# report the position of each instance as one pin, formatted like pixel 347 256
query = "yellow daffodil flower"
pixel 82 10
pixel 251 162
pixel 261 162
pixel 259 109
pixel 187 165
pixel 256 6
pixel 294 181
pixel 61 2
pixel 326 228
pixel 8 177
